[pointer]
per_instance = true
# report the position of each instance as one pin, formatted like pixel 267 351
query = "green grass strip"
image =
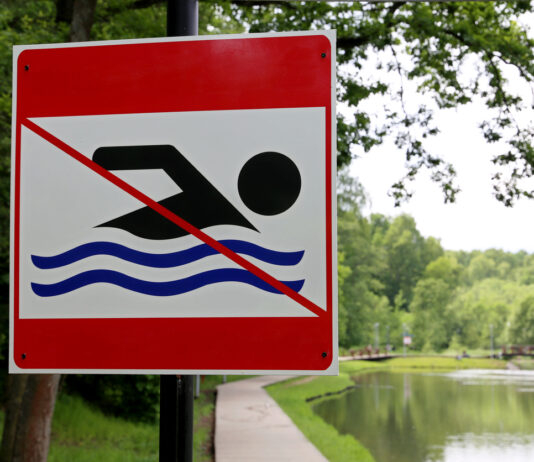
pixel 291 396
pixel 444 363
pixel 84 434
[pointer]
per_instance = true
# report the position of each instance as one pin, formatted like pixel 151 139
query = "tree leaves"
pixel 457 52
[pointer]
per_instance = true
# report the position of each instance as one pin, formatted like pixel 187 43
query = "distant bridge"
pixel 512 351
pixel 371 354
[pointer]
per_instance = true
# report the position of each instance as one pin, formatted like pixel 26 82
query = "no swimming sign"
pixel 173 206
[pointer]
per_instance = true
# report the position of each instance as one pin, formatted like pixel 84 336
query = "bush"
pixel 133 397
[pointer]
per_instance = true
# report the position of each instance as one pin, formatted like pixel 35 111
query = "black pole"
pixel 182 17
pixel 185 418
pixel 176 392
pixel 176 418
pixel 168 418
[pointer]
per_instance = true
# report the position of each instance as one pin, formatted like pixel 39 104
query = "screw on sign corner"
pixel 23 355
pixel 26 67
pixel 323 55
pixel 324 355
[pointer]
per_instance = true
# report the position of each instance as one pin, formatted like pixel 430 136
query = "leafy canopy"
pixel 453 52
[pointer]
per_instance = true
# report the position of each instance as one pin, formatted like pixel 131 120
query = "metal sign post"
pixel 182 17
pixel 176 392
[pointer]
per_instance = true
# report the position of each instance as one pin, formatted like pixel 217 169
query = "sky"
pixel 476 221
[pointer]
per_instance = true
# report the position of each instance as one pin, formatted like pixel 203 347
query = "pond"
pixel 422 417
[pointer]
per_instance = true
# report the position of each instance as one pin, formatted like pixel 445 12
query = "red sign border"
pixel 274 344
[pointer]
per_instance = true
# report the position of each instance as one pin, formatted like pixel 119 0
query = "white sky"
pixel 477 220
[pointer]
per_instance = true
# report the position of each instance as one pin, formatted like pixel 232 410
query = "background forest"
pixel 389 273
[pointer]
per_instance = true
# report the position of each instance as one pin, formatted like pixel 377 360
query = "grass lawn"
pixel 83 433
pixel 526 363
pixel 449 364
pixel 291 396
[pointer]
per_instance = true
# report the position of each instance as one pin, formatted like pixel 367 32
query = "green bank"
pixel 296 397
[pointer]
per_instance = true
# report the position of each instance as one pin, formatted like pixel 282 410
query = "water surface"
pixel 419 417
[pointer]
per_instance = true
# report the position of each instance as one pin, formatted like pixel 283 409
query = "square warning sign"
pixel 174 216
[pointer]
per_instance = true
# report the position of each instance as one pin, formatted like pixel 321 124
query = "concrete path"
pixel 251 427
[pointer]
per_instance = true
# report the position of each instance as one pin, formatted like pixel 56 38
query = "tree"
pixel 408 253
pixel 29 410
pixel 433 45
pixel 82 20
pixel 343 272
pixel 487 302
pixel 523 326
pixel 360 287
pixel 432 323
pixel 481 267
pixel 445 268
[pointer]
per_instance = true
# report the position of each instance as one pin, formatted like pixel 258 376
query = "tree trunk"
pixel 82 20
pixel 30 407
pixel 64 10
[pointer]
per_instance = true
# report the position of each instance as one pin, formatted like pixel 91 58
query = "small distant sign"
pixel 407 340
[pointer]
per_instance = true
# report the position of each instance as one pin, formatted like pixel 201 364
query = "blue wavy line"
pixel 167 260
pixel 160 289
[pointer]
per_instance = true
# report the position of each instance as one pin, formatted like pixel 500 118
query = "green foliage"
pixel 488 302
pixel 386 257
pixel 481 267
pixel 134 397
pixel 435 47
pixel 408 254
pixel 360 287
pixel 447 269
pixel 343 272
pixel 85 434
pixel 432 323
pixel 390 274
pixel 523 326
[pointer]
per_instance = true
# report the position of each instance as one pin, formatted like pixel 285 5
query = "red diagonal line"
pixel 236 258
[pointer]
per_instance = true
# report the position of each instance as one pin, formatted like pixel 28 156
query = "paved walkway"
pixel 251 427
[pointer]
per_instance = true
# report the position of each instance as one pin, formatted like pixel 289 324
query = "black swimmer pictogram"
pixel 269 183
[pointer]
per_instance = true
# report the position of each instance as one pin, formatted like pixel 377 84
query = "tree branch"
pixel 147 3
pixel 141 4
pixel 285 4
pixel 352 42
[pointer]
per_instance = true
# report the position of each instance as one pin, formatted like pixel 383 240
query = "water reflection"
pixel 469 415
